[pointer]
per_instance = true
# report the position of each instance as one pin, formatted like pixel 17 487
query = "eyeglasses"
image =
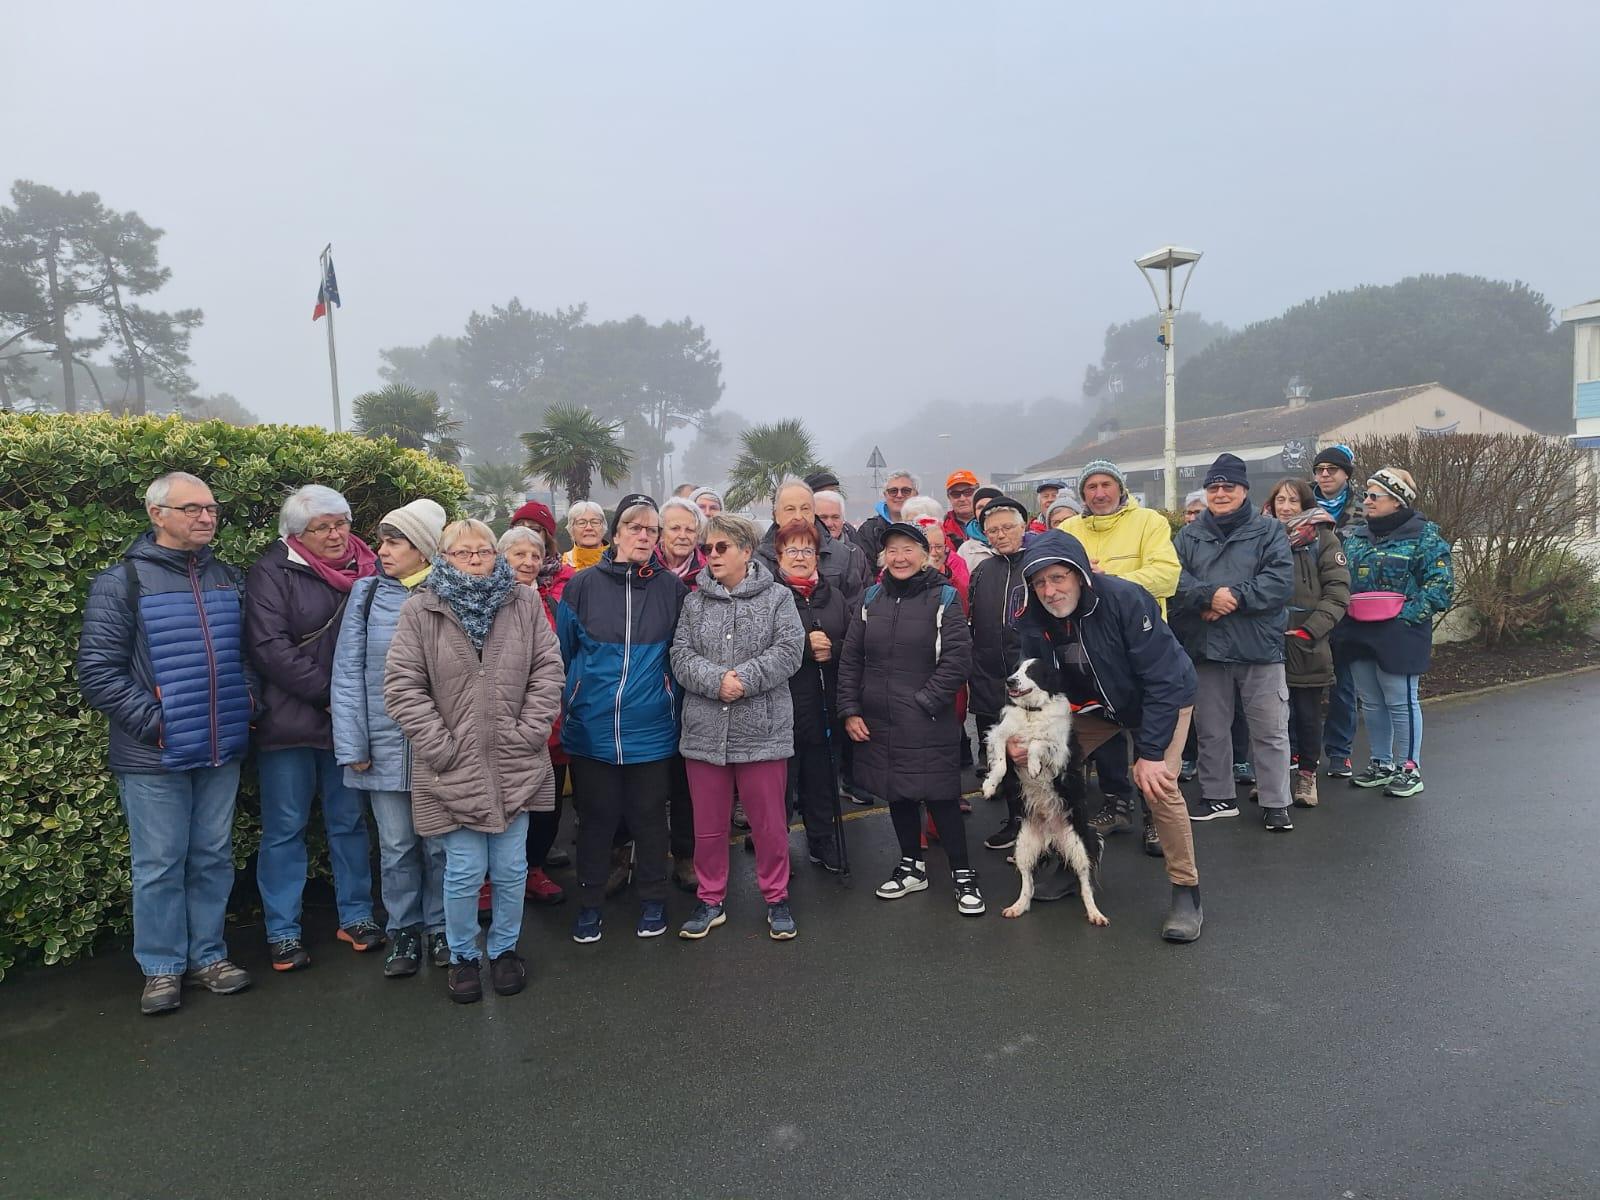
pixel 799 552
pixel 1376 496
pixel 637 529
pixel 588 523
pixel 900 491
pixel 470 555
pixel 338 526
pixel 1324 469
pixel 960 491
pixel 1003 527
pixel 720 548
pixel 192 510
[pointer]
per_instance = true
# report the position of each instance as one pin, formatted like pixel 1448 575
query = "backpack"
pixel 947 596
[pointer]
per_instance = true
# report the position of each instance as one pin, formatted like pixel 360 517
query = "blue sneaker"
pixel 653 920
pixel 702 921
pixel 587 927
pixel 1244 773
pixel 780 921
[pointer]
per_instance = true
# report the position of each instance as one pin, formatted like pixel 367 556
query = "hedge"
pixel 71 491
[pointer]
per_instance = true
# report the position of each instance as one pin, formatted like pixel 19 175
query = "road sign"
pixel 876 462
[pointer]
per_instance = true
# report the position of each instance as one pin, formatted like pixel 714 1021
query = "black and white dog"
pixel 1054 801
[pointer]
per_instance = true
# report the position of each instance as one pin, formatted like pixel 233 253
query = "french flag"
pixel 327 292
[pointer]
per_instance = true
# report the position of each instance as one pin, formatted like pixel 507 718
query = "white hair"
pixel 831 497
pixel 689 507
pixel 921 506
pixel 155 496
pixel 893 475
pixel 457 530
pixel 788 482
pixel 584 508
pixel 521 533
pixel 304 503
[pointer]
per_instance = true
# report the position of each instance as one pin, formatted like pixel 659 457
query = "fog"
pixel 870 208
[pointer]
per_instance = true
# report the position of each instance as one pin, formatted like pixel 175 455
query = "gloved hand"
pixel 1298 633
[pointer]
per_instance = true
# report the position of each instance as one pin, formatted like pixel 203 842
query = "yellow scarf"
pixel 581 558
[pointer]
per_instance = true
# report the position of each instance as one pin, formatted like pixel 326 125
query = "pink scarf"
pixel 361 563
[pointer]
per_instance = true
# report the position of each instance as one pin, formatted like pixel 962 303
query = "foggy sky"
pixel 867 205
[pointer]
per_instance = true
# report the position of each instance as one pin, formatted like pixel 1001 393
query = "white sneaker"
pixel 969 900
pixel 910 876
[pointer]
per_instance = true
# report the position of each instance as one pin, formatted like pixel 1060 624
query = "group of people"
pixel 687 669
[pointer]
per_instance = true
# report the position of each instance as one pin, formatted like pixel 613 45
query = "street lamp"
pixel 1153 265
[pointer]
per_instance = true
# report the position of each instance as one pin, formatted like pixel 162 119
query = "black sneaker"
pixel 439 950
pixel 1276 820
pixel 1152 842
pixel 362 936
pixel 1005 837
pixel 1210 810
pixel 1339 768
pixel 289 955
pixel 824 854
pixel 1244 773
pixel 508 973
pixel 1188 769
pixel 464 983
pixel 405 954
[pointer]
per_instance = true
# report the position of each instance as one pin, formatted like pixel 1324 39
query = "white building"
pixel 1585 371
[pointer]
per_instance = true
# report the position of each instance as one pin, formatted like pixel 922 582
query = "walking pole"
pixel 833 763
pixel 333 359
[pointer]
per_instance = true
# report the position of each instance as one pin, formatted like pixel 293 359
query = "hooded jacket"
pixel 842 563
pixel 755 632
pixel 363 730
pixel 479 727
pixel 1321 595
pixel 996 594
pixel 1141 674
pixel 615 622
pixel 1132 543
pixel 1413 560
pixel 162 655
pixel 1256 564
pixel 904 660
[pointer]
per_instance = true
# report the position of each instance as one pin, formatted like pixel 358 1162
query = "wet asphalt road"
pixel 1399 999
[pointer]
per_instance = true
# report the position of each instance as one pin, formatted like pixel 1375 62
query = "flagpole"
pixel 333 359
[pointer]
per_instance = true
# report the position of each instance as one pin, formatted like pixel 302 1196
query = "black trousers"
pixel 607 795
pixel 1305 725
pixel 543 827
pixel 1010 789
pixel 1111 768
pixel 680 814
pixel 811 790
pixel 946 814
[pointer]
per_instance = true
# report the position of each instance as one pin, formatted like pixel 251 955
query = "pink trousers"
pixel 762 787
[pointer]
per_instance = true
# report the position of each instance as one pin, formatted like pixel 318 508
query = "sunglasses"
pixel 1376 496
pixel 900 491
pixel 720 548
pixel 960 491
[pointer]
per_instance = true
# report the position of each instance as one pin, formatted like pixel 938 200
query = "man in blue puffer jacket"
pixel 161 655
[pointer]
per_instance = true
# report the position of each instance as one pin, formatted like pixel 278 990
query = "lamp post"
pixel 1156 264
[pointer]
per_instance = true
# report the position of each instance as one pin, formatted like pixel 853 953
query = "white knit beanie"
pixel 422 521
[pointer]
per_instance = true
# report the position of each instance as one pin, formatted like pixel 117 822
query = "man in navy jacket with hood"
pixel 1122 670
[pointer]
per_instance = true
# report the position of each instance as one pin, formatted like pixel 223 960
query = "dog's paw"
pixel 1098 918
pixel 1014 910
pixel 989 789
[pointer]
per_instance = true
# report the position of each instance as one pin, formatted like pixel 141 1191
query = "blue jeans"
pixel 410 867
pixel 468 856
pixel 289 780
pixel 180 833
pixel 1339 727
pixel 1392 710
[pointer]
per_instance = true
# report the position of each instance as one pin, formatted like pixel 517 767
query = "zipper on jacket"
pixel 211 662
pixel 1084 642
pixel 627 654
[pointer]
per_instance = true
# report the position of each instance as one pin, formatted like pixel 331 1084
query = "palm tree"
pixel 497 491
pixel 410 416
pixel 573 447
pixel 770 452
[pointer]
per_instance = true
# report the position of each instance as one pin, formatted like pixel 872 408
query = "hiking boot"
pixel 969 900
pixel 1243 773
pixel 1377 774
pixel 439 950
pixel 162 994
pixel 740 821
pixel 1152 842
pixel 1407 781
pixel 1115 817
pixel 508 974
pixel 289 955
pixel 910 875
pixel 621 869
pixel 780 922
pixel 362 936
pixel 1184 915
pixel 1276 820
pixel 464 982
pixel 824 853
pixel 702 921
pixel 1338 768
pixel 684 877
pixel 1005 837
pixel 541 889
pixel 652 919
pixel 1188 769
pixel 1303 789
pixel 222 978
pixel 1210 810
pixel 587 927
pixel 405 954
pixel 1052 880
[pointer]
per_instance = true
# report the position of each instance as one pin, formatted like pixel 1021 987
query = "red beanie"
pixel 541 516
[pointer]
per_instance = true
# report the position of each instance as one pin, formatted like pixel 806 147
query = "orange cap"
pixel 960 477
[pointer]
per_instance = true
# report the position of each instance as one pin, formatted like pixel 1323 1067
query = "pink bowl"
pixel 1376 606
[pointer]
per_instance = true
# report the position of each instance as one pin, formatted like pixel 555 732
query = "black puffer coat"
pixel 998 594
pixel 905 658
pixel 816 685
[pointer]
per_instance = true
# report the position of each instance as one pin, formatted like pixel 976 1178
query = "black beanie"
pixel 822 481
pixel 1229 468
pixel 1337 455
pixel 630 501
pixel 987 493
pixel 906 529
pixel 1001 505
